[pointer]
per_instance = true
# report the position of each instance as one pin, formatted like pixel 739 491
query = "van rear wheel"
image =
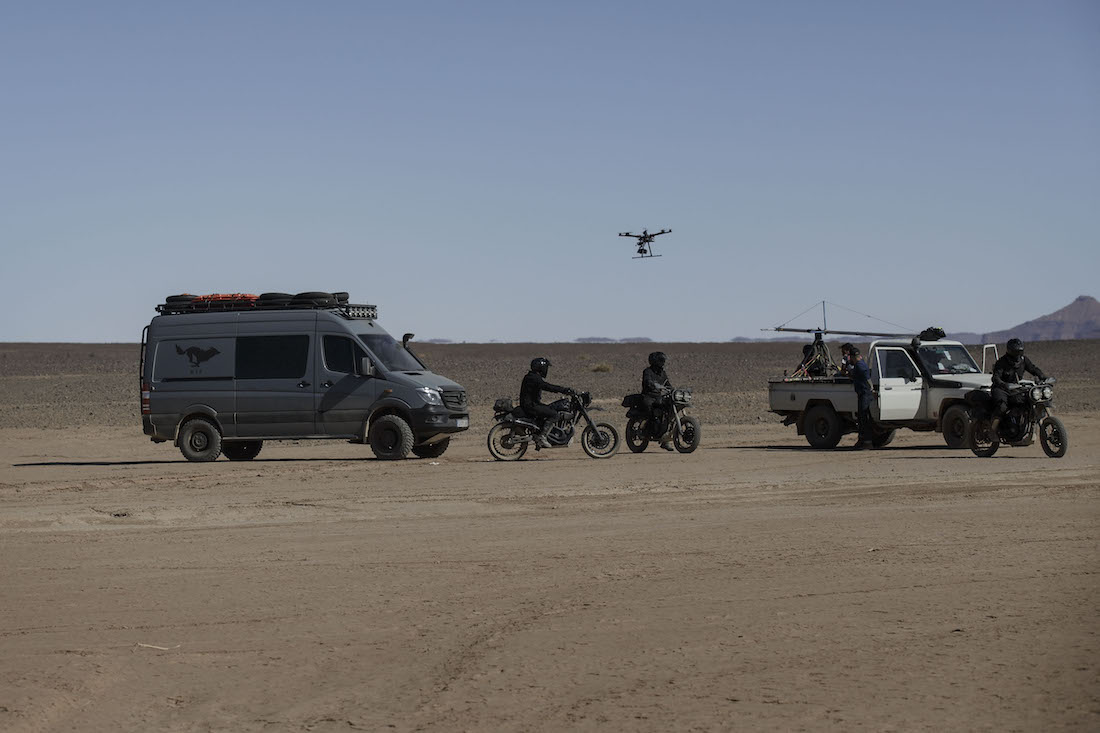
pixel 200 440
pixel 431 450
pixel 242 450
pixel 391 438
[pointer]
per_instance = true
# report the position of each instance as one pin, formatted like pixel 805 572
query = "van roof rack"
pixel 241 302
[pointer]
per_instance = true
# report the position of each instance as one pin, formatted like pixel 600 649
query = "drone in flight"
pixel 645 242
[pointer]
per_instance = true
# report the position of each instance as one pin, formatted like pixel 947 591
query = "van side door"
pixel 344 397
pixel 274 377
pixel 900 384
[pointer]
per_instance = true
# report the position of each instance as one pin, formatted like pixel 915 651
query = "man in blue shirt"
pixel 857 370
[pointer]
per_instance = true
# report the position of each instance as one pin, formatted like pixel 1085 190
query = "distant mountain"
pixel 1078 320
pixel 636 340
pixel 595 340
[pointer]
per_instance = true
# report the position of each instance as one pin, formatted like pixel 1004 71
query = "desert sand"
pixel 753 585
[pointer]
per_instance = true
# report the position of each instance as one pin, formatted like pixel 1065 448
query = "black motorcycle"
pixel 1029 407
pixel 670 422
pixel 515 431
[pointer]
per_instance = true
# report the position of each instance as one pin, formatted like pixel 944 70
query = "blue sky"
pixel 467 166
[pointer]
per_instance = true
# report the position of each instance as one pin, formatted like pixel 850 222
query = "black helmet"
pixel 540 365
pixel 657 360
pixel 1015 347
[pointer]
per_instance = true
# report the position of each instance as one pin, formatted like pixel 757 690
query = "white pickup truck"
pixel 919 385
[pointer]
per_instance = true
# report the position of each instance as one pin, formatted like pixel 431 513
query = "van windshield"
pixel 947 360
pixel 391 353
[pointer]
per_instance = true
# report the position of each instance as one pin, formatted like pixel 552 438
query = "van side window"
pixel 342 354
pixel 272 357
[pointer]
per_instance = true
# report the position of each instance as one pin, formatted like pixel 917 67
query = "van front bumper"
pixel 435 420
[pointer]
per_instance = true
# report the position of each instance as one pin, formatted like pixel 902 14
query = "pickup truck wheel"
pixel 822 426
pixel 956 423
pixel 883 438
pixel 391 438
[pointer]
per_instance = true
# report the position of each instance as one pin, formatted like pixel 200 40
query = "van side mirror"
pixel 406 339
pixel 366 367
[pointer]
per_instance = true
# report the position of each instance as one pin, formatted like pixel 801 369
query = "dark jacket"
pixel 530 392
pixel 860 375
pixel 1008 370
pixel 653 381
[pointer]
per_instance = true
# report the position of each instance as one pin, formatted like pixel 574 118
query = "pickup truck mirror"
pixel 366 367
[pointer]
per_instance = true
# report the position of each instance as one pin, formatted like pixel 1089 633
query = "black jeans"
pixel 541 413
pixel 999 401
pixel 863 416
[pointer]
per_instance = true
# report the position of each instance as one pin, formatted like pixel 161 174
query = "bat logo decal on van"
pixel 197 356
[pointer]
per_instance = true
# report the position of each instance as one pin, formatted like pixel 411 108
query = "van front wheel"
pixel 391 438
pixel 200 440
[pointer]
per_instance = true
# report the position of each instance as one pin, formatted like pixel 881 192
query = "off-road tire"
pixel 956 426
pixel 200 440
pixel 977 438
pixel 600 451
pixel 883 438
pixel 822 427
pixel 431 450
pixel 1053 437
pixel 637 439
pixel 390 438
pixel 497 435
pixel 687 438
pixel 242 450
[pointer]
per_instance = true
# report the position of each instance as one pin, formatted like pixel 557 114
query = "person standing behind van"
pixel 857 370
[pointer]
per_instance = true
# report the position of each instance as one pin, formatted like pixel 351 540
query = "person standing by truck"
pixel 857 370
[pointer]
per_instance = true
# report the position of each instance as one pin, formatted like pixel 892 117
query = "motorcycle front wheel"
pixel 1053 436
pixel 687 437
pixel 981 440
pixel 503 445
pixel 637 437
pixel 602 442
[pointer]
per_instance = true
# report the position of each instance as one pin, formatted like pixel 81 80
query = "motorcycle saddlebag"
pixel 504 404
pixel 632 400
pixel 978 398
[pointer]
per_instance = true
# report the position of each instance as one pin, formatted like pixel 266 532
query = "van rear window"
pixel 272 357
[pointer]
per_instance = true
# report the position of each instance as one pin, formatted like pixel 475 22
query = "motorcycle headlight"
pixel 1037 394
pixel 682 395
pixel 430 396
pixel 1048 392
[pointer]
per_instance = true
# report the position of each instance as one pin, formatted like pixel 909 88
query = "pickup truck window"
pixel 947 360
pixel 895 363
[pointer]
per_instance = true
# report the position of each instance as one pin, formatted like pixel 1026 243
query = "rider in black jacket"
pixel 530 397
pixel 655 384
pixel 1007 372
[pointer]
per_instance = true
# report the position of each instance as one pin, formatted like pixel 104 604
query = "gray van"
pixel 220 376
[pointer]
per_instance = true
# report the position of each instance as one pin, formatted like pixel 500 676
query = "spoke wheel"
pixel 687 437
pixel 603 442
pixel 637 439
pixel 1053 437
pixel 503 444
pixel 981 439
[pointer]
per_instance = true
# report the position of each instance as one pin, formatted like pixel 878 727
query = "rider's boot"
pixel 667 445
pixel 542 438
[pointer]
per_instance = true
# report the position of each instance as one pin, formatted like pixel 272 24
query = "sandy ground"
pixel 753 585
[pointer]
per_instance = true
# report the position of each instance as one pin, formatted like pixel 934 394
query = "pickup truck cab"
pixel 919 385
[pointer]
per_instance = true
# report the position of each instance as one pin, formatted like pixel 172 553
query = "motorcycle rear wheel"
pixel 603 442
pixel 637 438
pixel 981 443
pixel 1053 437
pixel 502 445
pixel 687 437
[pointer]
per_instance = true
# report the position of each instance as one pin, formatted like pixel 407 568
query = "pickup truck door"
pixel 900 385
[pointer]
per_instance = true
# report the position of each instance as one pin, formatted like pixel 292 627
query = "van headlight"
pixel 430 396
pixel 1037 394
pixel 1048 392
